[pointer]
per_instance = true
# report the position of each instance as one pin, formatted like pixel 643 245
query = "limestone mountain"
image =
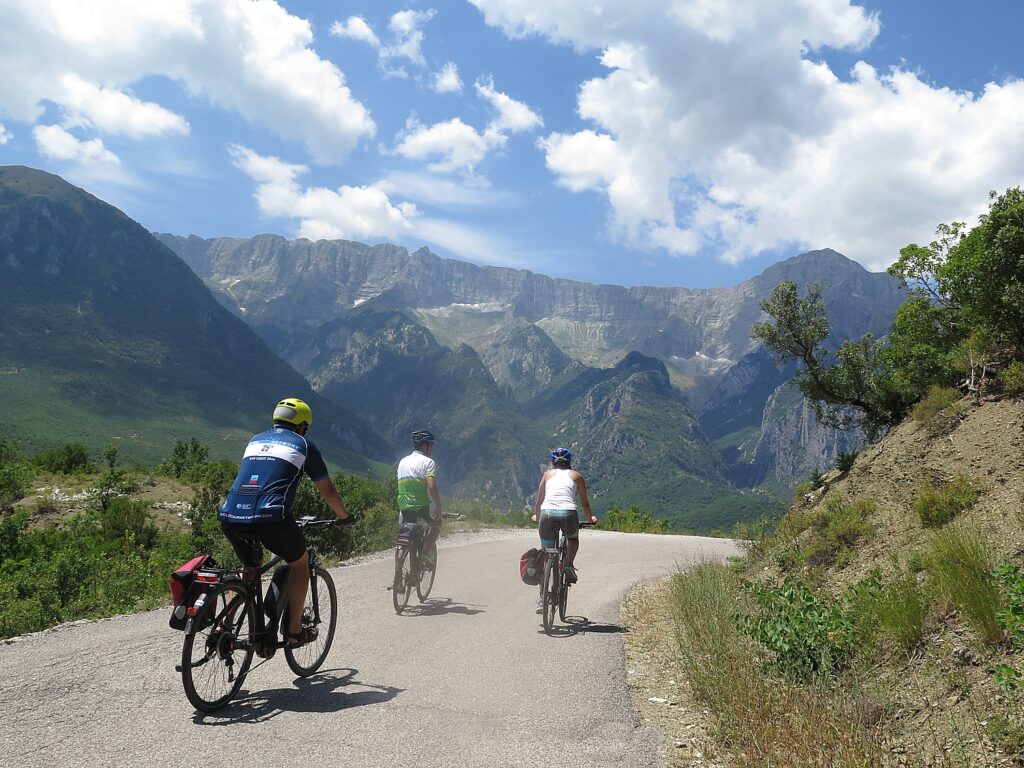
pixel 530 329
pixel 110 337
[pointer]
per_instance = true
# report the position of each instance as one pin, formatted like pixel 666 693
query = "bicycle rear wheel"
pixel 550 592
pixel 428 569
pixel 216 657
pixel 322 601
pixel 401 589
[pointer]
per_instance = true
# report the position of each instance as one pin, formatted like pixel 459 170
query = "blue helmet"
pixel 561 456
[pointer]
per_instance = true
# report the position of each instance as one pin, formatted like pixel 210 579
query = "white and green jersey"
pixel 413 472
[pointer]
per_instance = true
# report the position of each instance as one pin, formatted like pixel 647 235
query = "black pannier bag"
pixel 531 566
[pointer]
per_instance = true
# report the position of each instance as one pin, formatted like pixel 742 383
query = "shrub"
pixel 960 565
pixel 935 400
pixel 66 460
pixel 845 460
pixel 1011 619
pixel 938 506
pixel 187 462
pixel 1012 378
pixel 805 635
pixel 838 526
pixel 633 520
pixel 15 479
pixel 900 610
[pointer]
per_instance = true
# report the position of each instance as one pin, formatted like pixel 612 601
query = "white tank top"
pixel 560 490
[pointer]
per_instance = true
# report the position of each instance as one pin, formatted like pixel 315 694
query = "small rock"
pixel 657 700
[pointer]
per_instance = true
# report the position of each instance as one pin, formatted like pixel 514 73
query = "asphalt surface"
pixel 469 679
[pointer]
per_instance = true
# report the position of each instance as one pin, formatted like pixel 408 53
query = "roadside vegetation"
pixel 879 622
pixel 77 540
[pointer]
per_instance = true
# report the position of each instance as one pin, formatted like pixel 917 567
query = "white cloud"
pixel 356 28
pixel 714 130
pixel 408 36
pixel 447 80
pixel 115 112
pixel 56 143
pixel 5 135
pixel 448 193
pixel 360 213
pixel 459 147
pixel 253 58
pixel 513 116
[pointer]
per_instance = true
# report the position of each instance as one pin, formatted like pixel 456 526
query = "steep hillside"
pixel 109 336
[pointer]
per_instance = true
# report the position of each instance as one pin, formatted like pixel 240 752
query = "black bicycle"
pixel 415 562
pixel 556 585
pixel 228 625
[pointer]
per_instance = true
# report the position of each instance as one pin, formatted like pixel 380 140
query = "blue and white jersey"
pixel 272 466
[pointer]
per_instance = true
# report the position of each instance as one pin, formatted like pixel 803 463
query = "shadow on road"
pixel 578 625
pixel 321 692
pixel 441 606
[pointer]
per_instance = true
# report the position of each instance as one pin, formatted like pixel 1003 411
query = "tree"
pixel 861 388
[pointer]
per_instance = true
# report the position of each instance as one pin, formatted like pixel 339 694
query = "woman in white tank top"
pixel 555 508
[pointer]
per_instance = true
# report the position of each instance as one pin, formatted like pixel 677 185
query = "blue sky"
pixel 690 142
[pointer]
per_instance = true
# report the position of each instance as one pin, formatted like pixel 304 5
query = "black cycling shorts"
pixel 552 521
pixel 421 515
pixel 283 538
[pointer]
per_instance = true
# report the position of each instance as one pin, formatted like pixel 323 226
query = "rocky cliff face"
pixel 544 341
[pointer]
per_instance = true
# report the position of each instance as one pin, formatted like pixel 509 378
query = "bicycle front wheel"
pixel 550 592
pixel 563 598
pixel 428 569
pixel 216 657
pixel 320 611
pixel 401 589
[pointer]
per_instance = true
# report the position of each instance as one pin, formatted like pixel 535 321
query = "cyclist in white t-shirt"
pixel 555 508
pixel 419 499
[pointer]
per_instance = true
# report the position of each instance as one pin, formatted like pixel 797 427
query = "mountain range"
pixel 116 335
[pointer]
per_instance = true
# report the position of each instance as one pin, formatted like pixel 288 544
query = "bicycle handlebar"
pixel 316 522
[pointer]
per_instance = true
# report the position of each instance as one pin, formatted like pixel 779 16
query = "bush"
pixel 960 565
pixel 805 635
pixel 935 400
pixel 15 479
pixel 1012 378
pixel 66 460
pixel 838 526
pixel 845 460
pixel 900 610
pixel 188 461
pixel 633 520
pixel 938 506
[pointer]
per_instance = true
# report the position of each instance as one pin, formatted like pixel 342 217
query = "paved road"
pixel 469 681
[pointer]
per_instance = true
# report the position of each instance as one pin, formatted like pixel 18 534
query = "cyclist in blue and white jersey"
pixel 555 508
pixel 257 511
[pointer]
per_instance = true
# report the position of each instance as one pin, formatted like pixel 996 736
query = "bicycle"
pixel 414 567
pixel 556 585
pixel 227 626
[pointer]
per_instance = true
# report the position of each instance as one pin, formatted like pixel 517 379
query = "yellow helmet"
pixel 293 411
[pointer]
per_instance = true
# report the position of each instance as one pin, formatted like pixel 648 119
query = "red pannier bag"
pixel 531 566
pixel 185 589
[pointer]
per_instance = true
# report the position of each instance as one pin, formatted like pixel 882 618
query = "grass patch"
pixel 900 611
pixel 836 526
pixel 764 719
pixel 936 400
pixel 938 506
pixel 960 565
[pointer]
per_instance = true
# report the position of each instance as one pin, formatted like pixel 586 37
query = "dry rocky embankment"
pixel 939 703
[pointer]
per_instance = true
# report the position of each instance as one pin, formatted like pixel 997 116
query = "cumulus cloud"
pixel 716 129
pixel 447 80
pixel 115 112
pixel 345 212
pixel 253 58
pixel 356 28
pixel 362 213
pixel 459 147
pixel 56 143
pixel 5 135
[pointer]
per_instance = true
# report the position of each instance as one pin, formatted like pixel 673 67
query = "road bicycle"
pixel 555 584
pixel 415 566
pixel 228 625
